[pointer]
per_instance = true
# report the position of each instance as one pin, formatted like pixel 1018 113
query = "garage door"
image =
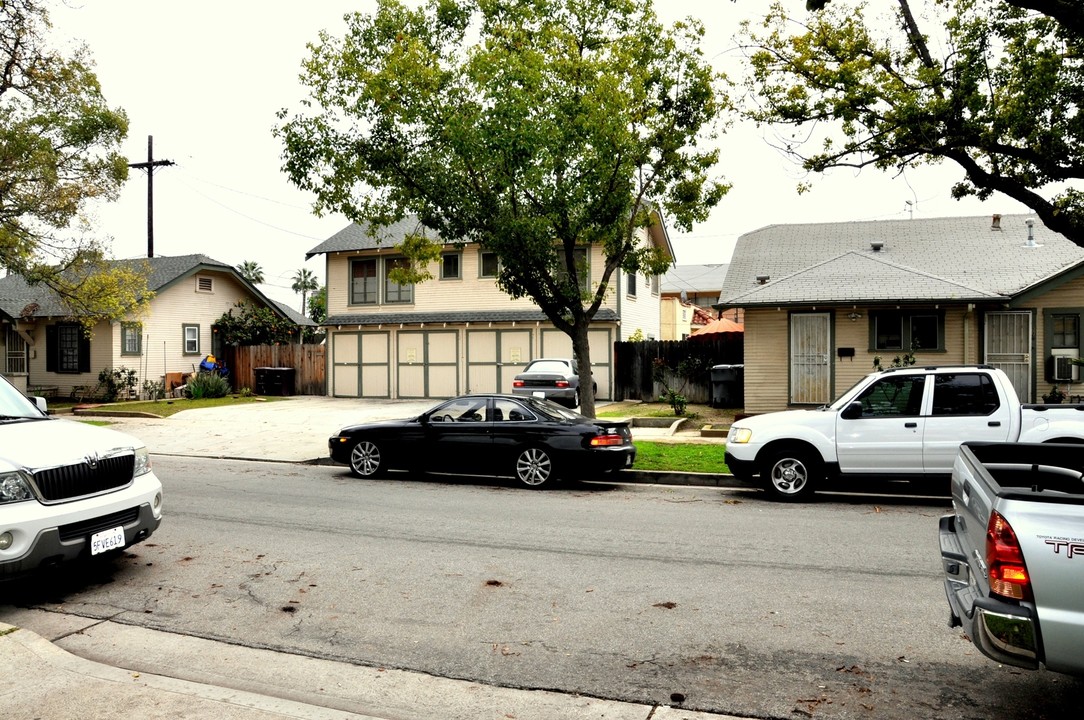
pixel 557 344
pixel 427 363
pixel 494 357
pixel 360 365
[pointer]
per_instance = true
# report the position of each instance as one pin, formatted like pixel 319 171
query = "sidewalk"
pixel 65 667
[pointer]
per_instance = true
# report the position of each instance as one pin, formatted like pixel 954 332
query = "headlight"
pixel 14 488
pixel 142 462
pixel 740 435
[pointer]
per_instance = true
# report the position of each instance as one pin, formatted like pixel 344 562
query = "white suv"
pixel 68 490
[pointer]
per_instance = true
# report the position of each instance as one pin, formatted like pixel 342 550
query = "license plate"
pixel 106 540
pixel 539 394
pixel 628 461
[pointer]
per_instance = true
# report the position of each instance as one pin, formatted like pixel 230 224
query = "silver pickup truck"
pixel 1013 553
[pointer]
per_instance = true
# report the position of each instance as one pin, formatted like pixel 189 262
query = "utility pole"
pixel 149 166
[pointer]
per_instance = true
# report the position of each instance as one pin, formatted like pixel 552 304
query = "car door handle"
pixel 910 424
pixel 994 423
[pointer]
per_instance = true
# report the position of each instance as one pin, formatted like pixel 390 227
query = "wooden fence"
pixel 308 362
pixel 634 363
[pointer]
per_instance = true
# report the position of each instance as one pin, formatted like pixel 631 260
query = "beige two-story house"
pixel 457 333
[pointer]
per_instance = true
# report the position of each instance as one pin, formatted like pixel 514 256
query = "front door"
pixel 810 380
pixel 1008 347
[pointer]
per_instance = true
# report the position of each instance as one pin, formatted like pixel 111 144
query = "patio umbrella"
pixel 718 327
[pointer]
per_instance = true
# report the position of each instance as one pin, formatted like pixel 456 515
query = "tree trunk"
pixel 581 350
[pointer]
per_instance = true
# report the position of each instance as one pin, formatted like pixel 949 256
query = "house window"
pixel 363 283
pixel 393 291
pixel 191 339
pixel 631 284
pixel 583 269
pixel 907 331
pixel 655 285
pixel 450 266
pixel 131 339
pixel 489 264
pixel 67 349
pixel 1065 332
pixel 204 284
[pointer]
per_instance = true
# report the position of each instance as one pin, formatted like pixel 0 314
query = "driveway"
pixel 294 429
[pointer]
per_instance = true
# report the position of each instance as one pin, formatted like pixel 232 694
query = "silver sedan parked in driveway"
pixel 555 379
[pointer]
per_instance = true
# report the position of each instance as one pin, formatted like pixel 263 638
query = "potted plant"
pixel 1055 396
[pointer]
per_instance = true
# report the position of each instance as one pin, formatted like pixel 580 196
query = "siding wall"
pixel 767 355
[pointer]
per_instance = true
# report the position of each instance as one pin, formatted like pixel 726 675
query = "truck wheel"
pixel 790 475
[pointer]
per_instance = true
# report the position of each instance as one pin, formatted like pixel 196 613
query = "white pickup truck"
pixel 68 490
pixel 899 424
pixel 1012 552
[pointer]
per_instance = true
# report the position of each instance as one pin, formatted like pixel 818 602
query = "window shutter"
pixel 50 348
pixel 84 352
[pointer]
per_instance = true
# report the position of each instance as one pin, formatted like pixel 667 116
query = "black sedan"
pixel 531 439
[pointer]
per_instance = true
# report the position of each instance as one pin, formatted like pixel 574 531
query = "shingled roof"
pixel 965 259
pixel 19 299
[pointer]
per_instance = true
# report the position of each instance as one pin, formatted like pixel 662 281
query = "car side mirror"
pixel 852 411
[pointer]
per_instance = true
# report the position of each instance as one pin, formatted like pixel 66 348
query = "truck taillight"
pixel 1005 560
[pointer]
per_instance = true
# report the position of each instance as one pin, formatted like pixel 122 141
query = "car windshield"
pixel 846 398
pixel 15 406
pixel 550 366
pixel 551 410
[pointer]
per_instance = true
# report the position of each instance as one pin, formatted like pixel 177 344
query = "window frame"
pixel 404 294
pixel 375 278
pixel 458 256
pixel 482 255
pixel 126 329
pixel 185 327
pixel 630 284
pixel 906 319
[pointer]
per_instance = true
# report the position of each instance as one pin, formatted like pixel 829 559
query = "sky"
pixel 205 79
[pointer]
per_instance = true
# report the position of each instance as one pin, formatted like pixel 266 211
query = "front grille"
pixel 80 479
pixel 74 531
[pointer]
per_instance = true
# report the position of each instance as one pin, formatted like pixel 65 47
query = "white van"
pixel 68 490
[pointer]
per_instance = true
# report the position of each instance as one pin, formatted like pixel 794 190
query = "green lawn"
pixel 684 457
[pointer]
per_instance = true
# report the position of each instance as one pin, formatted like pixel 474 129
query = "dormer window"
pixel 204 284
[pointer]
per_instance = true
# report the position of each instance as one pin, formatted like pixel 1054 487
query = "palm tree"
pixel 250 270
pixel 304 283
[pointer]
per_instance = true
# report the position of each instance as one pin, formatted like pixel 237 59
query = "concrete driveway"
pixel 294 429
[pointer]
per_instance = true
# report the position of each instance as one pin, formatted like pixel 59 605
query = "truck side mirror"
pixel 852 411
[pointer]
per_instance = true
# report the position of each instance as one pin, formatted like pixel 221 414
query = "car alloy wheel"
pixel 365 459
pixel 534 467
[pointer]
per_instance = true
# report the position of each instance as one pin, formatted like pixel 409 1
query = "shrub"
pixel 207 385
pixel 114 383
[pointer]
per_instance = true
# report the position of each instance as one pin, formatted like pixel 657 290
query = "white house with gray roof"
pixel 45 350
pixel 822 301
pixel 458 332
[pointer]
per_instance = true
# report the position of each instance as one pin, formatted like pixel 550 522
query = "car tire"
pixel 534 468
pixel 366 460
pixel 791 474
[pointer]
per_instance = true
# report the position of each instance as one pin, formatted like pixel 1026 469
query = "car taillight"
pixel 517 383
pixel 561 383
pixel 1005 560
pixel 607 440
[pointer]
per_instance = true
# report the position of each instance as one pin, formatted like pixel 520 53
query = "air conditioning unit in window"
pixel 1064 369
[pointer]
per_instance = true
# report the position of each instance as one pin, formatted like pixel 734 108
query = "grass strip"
pixel 681 457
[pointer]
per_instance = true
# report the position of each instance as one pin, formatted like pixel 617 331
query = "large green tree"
pixel 59 151
pixel 995 86
pixel 535 128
